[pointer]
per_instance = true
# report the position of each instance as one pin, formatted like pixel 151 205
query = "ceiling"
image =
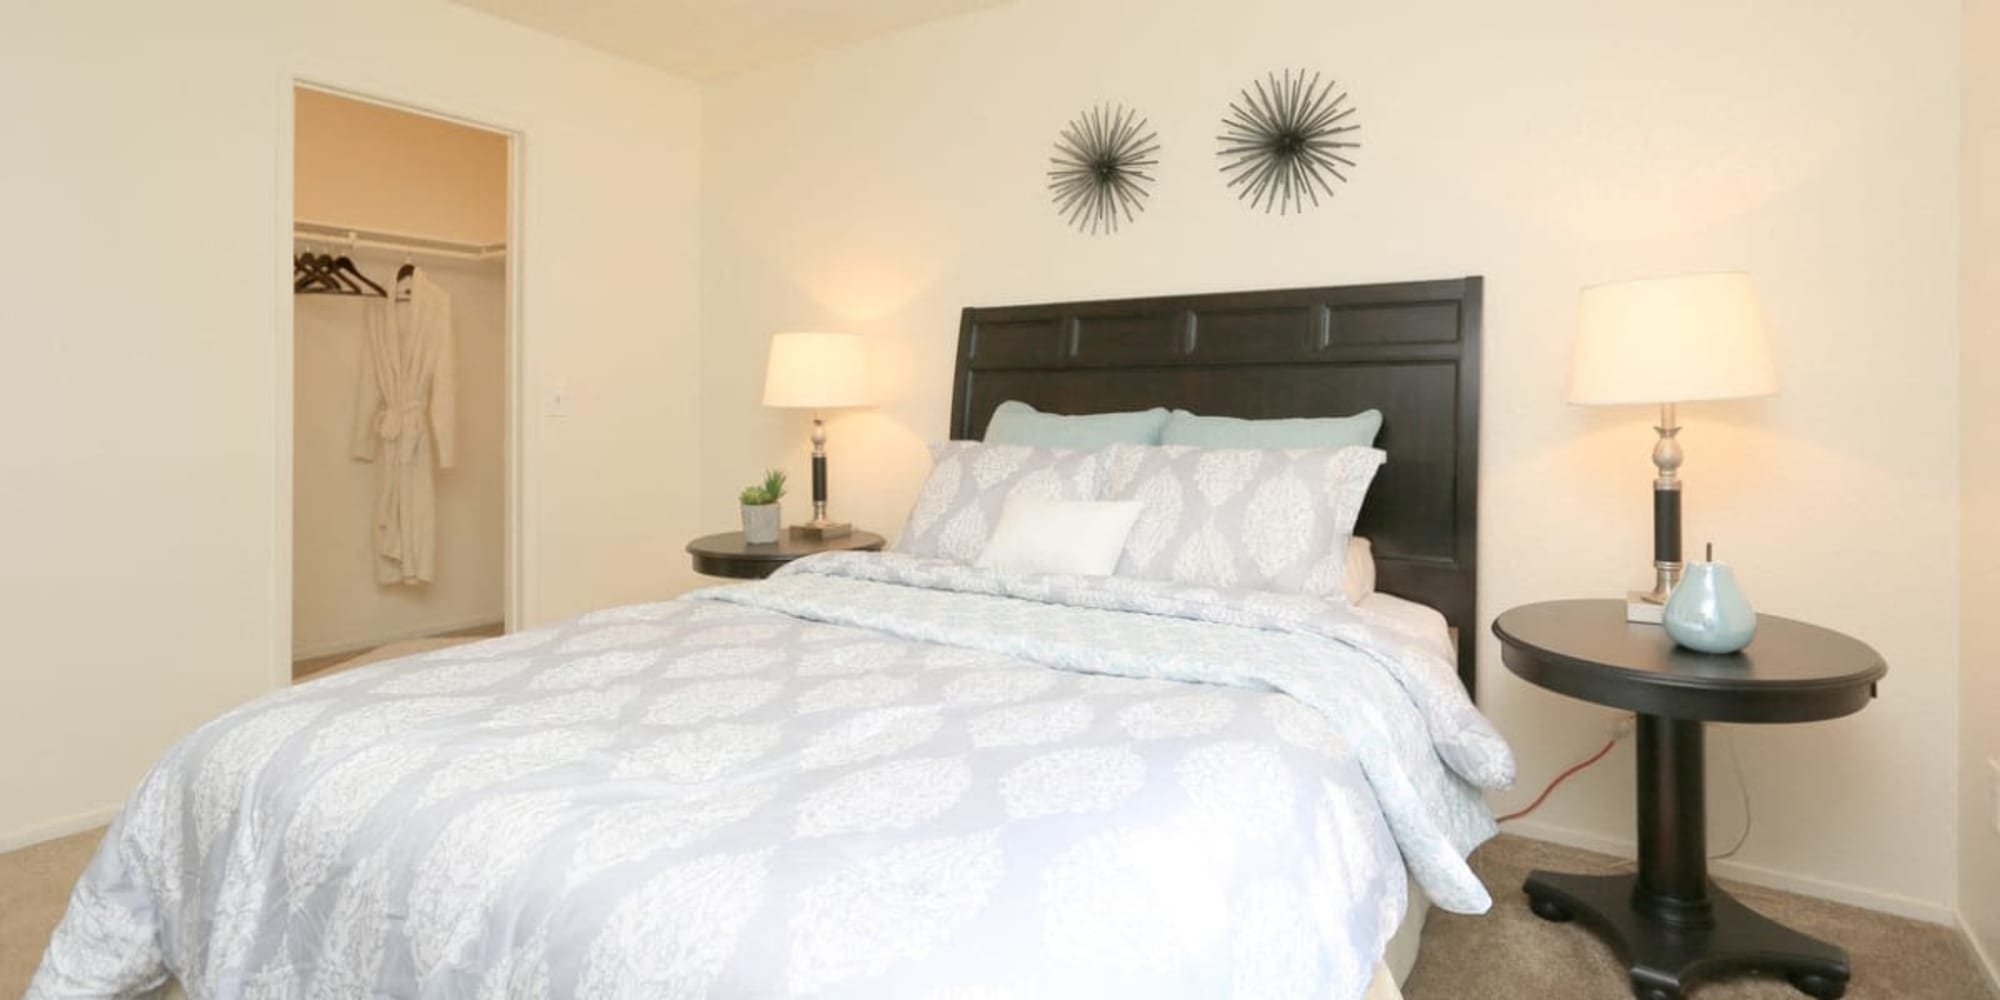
pixel 705 39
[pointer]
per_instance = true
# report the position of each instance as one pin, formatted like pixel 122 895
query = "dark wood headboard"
pixel 1409 349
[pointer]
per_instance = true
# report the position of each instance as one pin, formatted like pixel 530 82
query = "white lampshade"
pixel 816 371
pixel 1671 340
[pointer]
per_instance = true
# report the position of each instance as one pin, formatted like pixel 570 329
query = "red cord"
pixel 1560 778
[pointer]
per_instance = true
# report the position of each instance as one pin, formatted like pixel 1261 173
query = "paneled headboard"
pixel 1409 349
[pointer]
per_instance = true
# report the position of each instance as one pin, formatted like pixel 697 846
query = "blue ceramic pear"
pixel 1708 612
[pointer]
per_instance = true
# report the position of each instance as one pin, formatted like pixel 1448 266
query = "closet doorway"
pixel 400 382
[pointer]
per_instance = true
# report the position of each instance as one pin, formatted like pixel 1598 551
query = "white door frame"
pixel 519 500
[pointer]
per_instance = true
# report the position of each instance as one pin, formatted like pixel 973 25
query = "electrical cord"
pixel 1573 770
pixel 1622 729
pixel 1742 789
pixel 1735 766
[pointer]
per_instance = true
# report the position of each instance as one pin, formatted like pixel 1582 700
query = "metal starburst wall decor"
pixel 1283 138
pixel 1100 167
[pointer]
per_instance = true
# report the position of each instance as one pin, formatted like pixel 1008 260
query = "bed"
pixel 884 775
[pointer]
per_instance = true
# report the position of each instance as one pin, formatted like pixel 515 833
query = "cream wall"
pixel 145 490
pixel 337 605
pixel 370 167
pixel 1979 393
pixel 880 188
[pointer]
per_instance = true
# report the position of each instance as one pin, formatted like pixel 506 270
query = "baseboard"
pixel 358 646
pixel 14 840
pixel 1839 892
pixel 1981 957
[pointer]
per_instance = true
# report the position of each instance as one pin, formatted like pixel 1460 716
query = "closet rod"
pixel 377 239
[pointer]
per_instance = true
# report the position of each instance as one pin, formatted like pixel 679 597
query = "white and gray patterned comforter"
pixel 870 776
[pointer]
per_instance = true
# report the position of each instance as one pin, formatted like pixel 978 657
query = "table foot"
pixel 1667 951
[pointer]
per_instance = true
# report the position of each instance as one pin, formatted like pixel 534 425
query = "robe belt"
pixel 403 424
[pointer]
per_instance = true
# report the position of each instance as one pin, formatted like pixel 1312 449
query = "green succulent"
pixel 769 492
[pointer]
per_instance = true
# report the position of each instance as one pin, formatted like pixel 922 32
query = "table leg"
pixel 1668 923
pixel 1673 822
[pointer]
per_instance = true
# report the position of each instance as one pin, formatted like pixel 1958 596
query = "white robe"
pixel 403 408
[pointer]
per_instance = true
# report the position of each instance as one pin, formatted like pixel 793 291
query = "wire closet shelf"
pixel 404 243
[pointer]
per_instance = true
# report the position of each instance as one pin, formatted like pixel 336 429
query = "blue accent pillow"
pixel 1015 422
pixel 1357 431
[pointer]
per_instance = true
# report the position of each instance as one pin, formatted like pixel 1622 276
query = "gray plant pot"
pixel 760 523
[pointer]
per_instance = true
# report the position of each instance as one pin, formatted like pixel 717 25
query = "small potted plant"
pixel 760 509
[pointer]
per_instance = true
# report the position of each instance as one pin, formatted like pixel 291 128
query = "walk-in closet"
pixel 400 382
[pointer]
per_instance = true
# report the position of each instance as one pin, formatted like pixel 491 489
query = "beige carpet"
pixel 322 665
pixel 1508 954
pixel 407 647
pixel 34 889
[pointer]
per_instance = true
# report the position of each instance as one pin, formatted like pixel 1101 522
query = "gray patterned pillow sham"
pixel 971 482
pixel 1242 518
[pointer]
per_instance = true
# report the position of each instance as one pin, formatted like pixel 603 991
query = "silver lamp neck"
pixel 1667 455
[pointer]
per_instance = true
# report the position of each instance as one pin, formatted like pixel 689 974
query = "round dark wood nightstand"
pixel 1668 922
pixel 729 555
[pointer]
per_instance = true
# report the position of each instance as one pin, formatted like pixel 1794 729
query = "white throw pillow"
pixel 1360 579
pixel 1072 537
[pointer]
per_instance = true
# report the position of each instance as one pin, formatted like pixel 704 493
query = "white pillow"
pixel 1072 537
pixel 1360 579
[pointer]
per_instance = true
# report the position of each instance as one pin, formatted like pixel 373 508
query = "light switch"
pixel 1994 763
pixel 558 399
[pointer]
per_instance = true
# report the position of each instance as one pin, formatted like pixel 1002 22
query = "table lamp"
pixel 1666 341
pixel 817 371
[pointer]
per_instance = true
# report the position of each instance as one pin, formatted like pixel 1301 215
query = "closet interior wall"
pixel 380 170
